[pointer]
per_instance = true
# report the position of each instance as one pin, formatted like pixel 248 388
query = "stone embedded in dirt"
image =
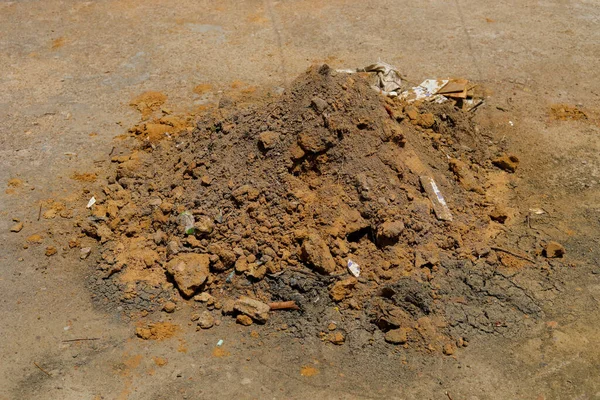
pixel 397 336
pixel 554 250
pixel 85 252
pixel 389 232
pixel 449 349
pixel 169 307
pixel 243 319
pixel 464 176
pixel 204 226
pixel 206 320
pixel 17 227
pixel 206 180
pixel 318 104
pixel 426 120
pixel 35 239
pixel 342 289
pixel 50 251
pixel 204 297
pixel 190 271
pixel 228 307
pixel 506 162
pixel 337 338
pixel 268 139
pixel 317 254
pixel 255 309
pixel 499 214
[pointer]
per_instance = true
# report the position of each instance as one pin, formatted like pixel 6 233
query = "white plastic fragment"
pixel 187 220
pixel 354 268
pixel 442 212
pixel 220 343
pixel 91 202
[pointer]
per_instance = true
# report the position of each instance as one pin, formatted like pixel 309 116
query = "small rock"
pixel 316 252
pixel 268 139
pixel 85 252
pixel 159 237
pixel 332 326
pixel 190 271
pixel 50 251
pixel 389 232
pixel 17 227
pixel 397 336
pixel 337 338
pixel 448 349
pixel 498 214
pixel 426 120
pixel 204 226
pixel 228 307
pixel 194 317
pixel 169 307
pixel 411 112
pixel 206 180
pixel 243 320
pixel 554 250
pixel 342 289
pixel 206 320
pixel 204 297
pixel 318 104
pixel 255 309
pixel 506 162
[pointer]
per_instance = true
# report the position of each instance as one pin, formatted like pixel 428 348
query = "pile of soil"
pixel 274 201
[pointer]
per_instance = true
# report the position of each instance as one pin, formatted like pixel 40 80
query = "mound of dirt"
pixel 274 202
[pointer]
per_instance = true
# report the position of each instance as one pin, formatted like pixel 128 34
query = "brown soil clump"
pixel 278 198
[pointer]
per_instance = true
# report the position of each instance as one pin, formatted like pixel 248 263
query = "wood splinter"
pixel 284 305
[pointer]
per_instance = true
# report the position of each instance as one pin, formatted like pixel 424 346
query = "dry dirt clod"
pixel 316 253
pixel 336 338
pixel 506 162
pixel 243 320
pixel 204 297
pixel 17 227
pixel 499 214
pixel 169 307
pixel 255 309
pixel 206 320
pixel 343 288
pixel 449 349
pixel 50 251
pixel 397 336
pixel 268 140
pixel 190 271
pixel 554 250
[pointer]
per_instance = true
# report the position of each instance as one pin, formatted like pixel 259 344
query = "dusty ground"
pixel 70 70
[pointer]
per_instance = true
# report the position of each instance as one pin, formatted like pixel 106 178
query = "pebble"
pixel 169 307
pixel 397 336
pixel 243 320
pixel 554 250
pixel 50 251
pixel 206 320
pixel 85 252
pixel 17 227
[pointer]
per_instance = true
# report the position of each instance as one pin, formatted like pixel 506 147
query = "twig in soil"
pixel 284 305
pixel 449 397
pixel 77 340
pixel 40 213
pixel 512 253
pixel 41 369
pixel 111 151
